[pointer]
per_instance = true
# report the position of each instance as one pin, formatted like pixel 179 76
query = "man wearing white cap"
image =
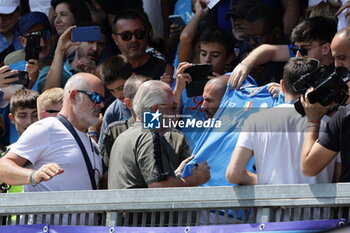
pixel 9 16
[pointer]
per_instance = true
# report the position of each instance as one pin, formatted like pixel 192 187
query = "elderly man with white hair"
pixel 48 150
pixel 140 158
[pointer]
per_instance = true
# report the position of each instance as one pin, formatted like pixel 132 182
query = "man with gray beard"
pixel 48 149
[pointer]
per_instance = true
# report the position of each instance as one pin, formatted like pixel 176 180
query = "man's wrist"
pixel 31 179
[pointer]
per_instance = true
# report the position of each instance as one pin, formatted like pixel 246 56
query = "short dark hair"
pixel 315 28
pixel 132 14
pixel 294 69
pixel 220 36
pixel 23 98
pixel 115 68
pixel 78 8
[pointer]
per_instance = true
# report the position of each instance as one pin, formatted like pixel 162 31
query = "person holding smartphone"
pixel 32 25
pixel 85 60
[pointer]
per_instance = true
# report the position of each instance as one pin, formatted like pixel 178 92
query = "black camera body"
pixel 327 88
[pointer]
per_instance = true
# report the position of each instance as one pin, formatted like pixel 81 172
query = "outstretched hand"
pixel 47 172
pixel 238 75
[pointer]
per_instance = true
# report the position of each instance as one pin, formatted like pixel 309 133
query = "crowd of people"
pixel 74 116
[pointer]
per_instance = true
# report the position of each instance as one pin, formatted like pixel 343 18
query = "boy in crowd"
pixel 49 103
pixel 23 111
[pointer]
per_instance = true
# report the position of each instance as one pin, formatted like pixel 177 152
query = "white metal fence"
pixel 178 206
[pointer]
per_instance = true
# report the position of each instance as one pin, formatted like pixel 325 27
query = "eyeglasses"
pixel 94 97
pixel 52 111
pixel 45 34
pixel 303 51
pixel 126 36
pixel 257 38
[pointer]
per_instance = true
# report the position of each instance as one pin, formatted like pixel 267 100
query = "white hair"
pixel 75 82
pixel 150 93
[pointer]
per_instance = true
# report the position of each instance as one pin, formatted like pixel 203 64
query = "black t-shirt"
pixel 336 137
pixel 154 68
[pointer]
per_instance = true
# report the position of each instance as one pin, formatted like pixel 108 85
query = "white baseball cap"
pixel 8 6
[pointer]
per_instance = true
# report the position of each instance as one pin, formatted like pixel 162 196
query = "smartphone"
pixel 90 33
pixel 22 78
pixel 199 74
pixel 177 19
pixel 32 49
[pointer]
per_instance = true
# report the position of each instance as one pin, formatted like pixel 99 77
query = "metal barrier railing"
pixel 178 206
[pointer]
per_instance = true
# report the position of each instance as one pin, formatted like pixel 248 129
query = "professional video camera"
pixel 327 88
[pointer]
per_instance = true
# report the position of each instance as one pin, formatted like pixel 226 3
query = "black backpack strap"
pixel 68 125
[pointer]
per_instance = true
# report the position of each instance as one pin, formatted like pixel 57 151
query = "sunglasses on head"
pixel 94 97
pixel 303 51
pixel 45 34
pixel 126 36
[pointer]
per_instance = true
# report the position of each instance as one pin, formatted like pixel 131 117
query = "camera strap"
pixel 68 125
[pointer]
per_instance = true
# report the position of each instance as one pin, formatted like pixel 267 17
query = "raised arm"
pixel 182 79
pixel 54 76
pixel 188 33
pixel 262 54
pixel 314 157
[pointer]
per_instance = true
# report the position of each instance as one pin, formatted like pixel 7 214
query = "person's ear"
pixel 23 41
pixel 128 103
pixel 115 39
pixel 43 114
pixel 326 48
pixel 12 118
pixel 283 88
pixel 73 95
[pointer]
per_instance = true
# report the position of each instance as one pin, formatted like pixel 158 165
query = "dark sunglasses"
pixel 45 34
pixel 303 51
pixel 52 111
pixel 256 39
pixel 94 97
pixel 126 36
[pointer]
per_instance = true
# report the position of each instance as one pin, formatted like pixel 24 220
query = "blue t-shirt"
pixel 217 144
pixel 117 111
pixel 15 42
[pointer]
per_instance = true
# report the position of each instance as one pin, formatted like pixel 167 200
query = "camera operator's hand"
pixel 316 111
pixel 4 73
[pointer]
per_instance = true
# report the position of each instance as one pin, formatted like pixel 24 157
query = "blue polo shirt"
pixel 68 71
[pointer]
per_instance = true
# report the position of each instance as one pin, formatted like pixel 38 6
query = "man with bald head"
pixel 213 92
pixel 320 149
pixel 47 149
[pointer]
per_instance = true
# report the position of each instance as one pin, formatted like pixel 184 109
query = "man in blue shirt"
pixel 9 16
